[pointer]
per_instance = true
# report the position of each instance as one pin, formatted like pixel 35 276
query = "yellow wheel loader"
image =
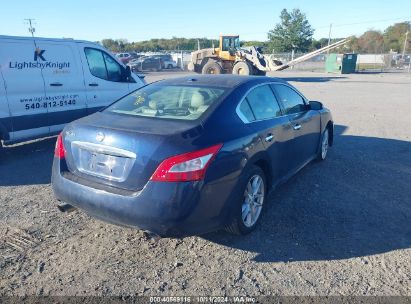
pixel 230 58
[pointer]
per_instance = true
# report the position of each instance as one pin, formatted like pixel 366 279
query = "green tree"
pixel 111 45
pixel 371 42
pixel 293 32
pixel 394 36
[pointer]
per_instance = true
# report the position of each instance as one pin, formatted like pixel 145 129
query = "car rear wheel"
pixel 247 212
pixel 1 149
pixel 325 140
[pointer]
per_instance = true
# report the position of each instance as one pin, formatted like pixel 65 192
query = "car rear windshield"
pixel 168 101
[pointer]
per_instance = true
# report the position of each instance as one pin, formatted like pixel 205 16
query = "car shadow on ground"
pixel 27 164
pixel 356 203
pixel 313 79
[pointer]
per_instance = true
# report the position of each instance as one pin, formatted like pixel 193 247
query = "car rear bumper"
pixel 167 209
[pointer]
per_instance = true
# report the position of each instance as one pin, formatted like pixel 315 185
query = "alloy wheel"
pixel 253 200
pixel 324 144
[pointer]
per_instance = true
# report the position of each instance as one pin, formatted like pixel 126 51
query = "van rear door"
pixel 64 83
pixel 103 78
pixel 21 64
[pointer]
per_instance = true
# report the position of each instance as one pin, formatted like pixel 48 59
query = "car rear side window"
pixel 168 101
pixel 263 103
pixel 291 100
pixel 246 111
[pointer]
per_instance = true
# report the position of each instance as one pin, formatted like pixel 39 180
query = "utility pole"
pixel 405 44
pixel 31 28
pixel 329 37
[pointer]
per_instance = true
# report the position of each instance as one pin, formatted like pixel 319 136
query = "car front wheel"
pixel 247 212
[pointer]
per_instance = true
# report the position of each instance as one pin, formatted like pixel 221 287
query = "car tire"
pixel 1 147
pixel 242 68
pixel 170 66
pixel 211 67
pixel 244 220
pixel 324 145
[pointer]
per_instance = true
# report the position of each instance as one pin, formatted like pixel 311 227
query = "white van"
pixel 46 83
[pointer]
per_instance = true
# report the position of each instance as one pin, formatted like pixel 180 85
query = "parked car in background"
pixel 145 64
pixel 126 57
pixel 46 83
pixel 167 61
pixel 190 155
pixel 123 57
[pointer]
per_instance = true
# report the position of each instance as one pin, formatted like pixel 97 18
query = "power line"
pixel 347 24
pixel 365 22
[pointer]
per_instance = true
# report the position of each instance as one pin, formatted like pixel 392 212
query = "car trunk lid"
pixel 124 151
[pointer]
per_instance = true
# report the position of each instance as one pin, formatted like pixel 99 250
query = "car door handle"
pixel 269 138
pixel 297 127
pixel 56 84
pixel 93 84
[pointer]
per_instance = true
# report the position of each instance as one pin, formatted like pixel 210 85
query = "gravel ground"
pixel 340 227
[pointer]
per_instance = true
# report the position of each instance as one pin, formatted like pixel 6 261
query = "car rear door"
pixel 305 123
pixel 148 64
pixel 64 83
pixel 262 112
pixel 21 65
pixel 103 78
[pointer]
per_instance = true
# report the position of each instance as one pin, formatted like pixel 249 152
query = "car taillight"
pixel 185 167
pixel 59 151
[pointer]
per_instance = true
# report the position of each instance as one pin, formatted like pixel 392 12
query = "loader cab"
pixel 229 44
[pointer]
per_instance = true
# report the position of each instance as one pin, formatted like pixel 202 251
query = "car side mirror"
pixel 315 105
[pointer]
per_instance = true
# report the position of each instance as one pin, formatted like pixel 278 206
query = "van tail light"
pixel 185 167
pixel 59 151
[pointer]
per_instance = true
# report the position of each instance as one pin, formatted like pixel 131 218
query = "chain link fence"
pixel 365 62
pixel 391 62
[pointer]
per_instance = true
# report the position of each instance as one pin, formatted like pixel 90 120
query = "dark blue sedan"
pixel 190 155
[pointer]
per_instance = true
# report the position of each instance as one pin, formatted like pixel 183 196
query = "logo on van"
pixel 38 53
pixel 38 62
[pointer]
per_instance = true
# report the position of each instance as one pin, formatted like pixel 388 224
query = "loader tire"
pixel 242 68
pixel 211 67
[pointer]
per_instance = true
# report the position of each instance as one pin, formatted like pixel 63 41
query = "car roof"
pixel 223 81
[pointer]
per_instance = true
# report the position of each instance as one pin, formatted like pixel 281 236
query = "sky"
pixel 137 20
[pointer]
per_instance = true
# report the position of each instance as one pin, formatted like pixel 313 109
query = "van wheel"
pixel 247 211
